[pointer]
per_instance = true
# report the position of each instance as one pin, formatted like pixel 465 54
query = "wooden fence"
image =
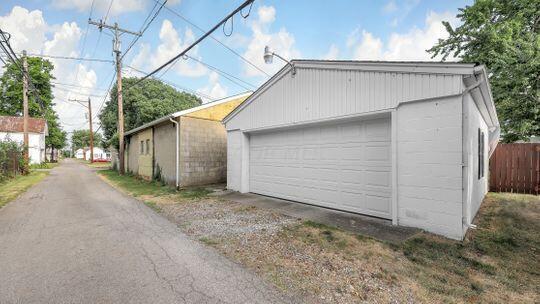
pixel 515 168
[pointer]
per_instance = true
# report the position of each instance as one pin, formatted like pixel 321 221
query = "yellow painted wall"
pixel 218 112
pixel 145 158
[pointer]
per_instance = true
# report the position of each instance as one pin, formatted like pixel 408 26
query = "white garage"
pixel 403 141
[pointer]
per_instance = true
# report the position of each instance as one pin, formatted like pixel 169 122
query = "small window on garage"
pixel 481 156
pixel 142 148
pixel 147 146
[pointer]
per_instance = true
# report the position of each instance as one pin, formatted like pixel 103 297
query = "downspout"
pixel 177 152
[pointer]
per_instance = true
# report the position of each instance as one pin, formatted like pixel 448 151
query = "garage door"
pixel 344 166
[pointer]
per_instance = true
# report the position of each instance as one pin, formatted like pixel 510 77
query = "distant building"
pixel 185 148
pixel 99 154
pixel 11 128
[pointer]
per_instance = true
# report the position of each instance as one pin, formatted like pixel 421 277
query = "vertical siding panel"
pixel 399 92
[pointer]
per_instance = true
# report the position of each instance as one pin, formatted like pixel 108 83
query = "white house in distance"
pixel 403 141
pixel 99 154
pixel 11 127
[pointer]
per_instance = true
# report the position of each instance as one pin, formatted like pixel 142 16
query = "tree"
pixel 143 103
pixel 80 139
pixel 503 35
pixel 40 71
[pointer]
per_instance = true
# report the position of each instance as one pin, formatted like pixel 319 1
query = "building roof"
pixel 192 111
pixel 422 67
pixel 14 124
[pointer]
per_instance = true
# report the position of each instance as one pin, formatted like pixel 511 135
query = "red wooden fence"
pixel 515 168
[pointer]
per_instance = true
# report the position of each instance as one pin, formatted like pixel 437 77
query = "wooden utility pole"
pixel 117 31
pixel 89 106
pixel 25 112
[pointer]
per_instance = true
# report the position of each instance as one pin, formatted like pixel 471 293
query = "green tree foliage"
pixel 40 71
pixel 143 103
pixel 503 35
pixel 81 139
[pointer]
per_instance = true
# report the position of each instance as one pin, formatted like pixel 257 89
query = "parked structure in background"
pixel 185 148
pixel 12 127
pixel 99 154
pixel 404 141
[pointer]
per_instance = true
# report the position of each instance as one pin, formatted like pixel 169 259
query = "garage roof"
pixel 194 112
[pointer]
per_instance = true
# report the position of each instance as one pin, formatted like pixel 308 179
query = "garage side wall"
pixel 429 171
pixel 165 152
pixel 234 160
pixel 203 152
pixel 477 187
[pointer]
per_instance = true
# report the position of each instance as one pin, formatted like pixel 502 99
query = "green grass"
pixel 136 186
pixel 504 251
pixel 99 165
pixel 208 241
pixel 12 188
pixel 497 262
pixel 195 193
pixel 44 165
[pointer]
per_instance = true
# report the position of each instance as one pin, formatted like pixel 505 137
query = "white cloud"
pixel 213 89
pixel 370 47
pixel 332 54
pixel 101 6
pixel 411 45
pixel 390 7
pixel 170 45
pixel 29 31
pixel 281 42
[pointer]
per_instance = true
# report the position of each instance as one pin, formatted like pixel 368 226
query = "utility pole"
pixel 89 106
pixel 117 31
pixel 25 112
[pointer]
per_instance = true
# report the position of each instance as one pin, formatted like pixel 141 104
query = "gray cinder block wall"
pixel 165 151
pixel 203 152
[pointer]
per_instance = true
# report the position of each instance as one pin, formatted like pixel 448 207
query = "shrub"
pixel 11 159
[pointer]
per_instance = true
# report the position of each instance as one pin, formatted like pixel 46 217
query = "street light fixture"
pixel 269 57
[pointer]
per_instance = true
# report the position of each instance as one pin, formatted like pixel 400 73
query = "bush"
pixel 11 159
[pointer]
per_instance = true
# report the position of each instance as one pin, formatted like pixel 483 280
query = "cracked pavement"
pixel 74 239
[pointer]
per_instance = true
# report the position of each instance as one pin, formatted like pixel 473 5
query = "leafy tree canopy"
pixel 503 35
pixel 40 71
pixel 143 103
pixel 81 139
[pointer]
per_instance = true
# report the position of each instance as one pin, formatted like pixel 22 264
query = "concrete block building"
pixel 404 141
pixel 186 148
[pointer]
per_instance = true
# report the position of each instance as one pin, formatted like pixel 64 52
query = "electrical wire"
pixel 230 15
pixel 228 76
pixel 177 14
pixel 145 27
pixel 70 58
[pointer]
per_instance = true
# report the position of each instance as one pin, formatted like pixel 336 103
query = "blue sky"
pixel 365 30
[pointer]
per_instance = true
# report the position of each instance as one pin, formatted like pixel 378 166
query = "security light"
pixel 269 56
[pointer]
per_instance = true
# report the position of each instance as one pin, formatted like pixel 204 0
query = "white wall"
pixel 314 94
pixel 475 188
pixel 36 144
pixel 98 153
pixel 429 153
pixel 234 160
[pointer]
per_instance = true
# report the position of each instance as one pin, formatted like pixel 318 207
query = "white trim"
pixel 394 147
pixel 368 115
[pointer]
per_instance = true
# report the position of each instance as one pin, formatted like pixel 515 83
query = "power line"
pixel 172 84
pixel 224 74
pixel 215 39
pixel 77 86
pixel 231 15
pixel 71 58
pixel 145 27
pixel 84 40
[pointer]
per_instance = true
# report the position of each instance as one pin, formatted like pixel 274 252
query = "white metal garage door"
pixel 345 166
